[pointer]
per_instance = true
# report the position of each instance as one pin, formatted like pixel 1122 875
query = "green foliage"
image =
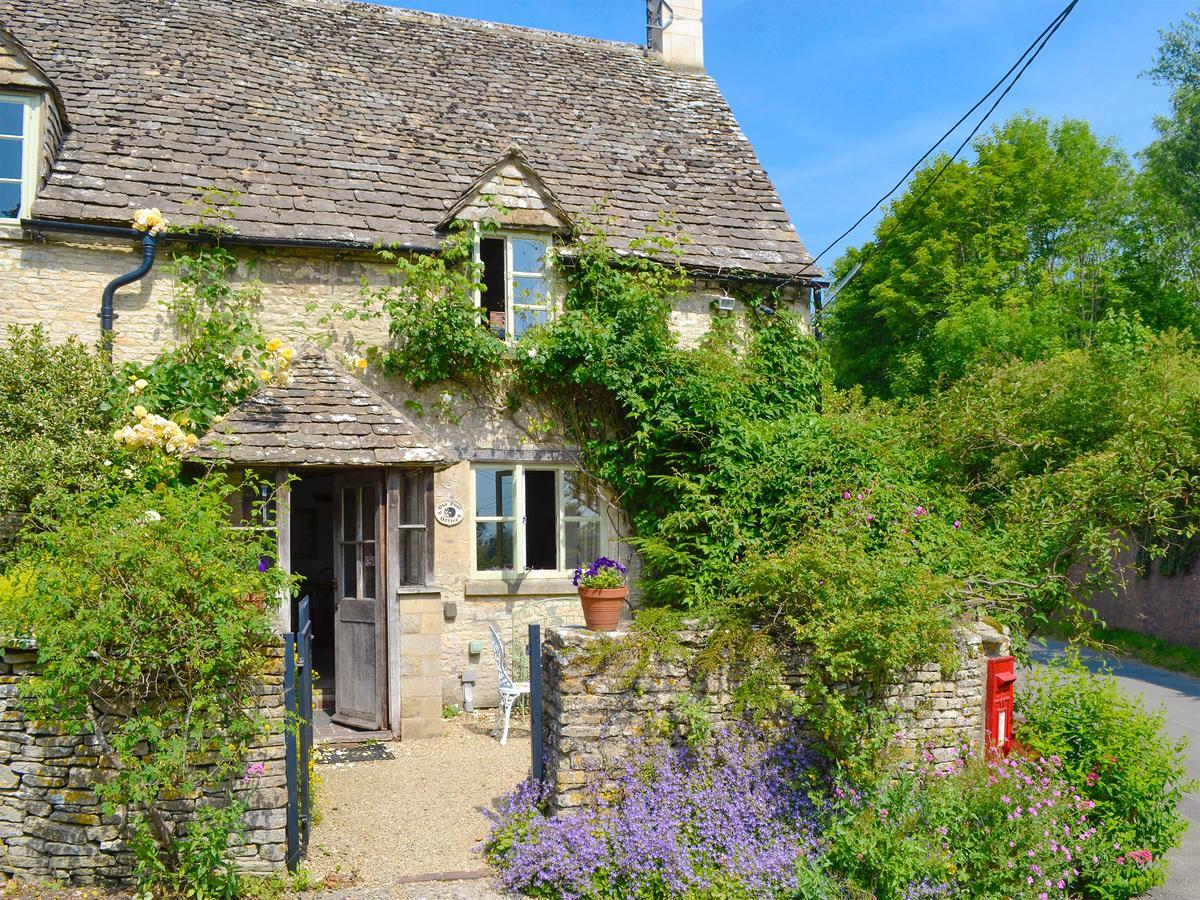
pixel 220 354
pixel 152 622
pixel 1119 756
pixel 56 418
pixel 205 871
pixel 437 331
pixel 973 832
pixel 1068 457
pixel 1178 62
pixel 220 350
pixel 1018 253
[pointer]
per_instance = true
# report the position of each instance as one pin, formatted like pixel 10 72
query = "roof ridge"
pixel 482 24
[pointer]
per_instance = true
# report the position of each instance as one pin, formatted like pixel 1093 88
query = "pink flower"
pixel 957 523
pixel 920 511
pixel 845 495
pixel 883 813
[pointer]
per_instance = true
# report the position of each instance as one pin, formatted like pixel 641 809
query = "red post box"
pixel 998 713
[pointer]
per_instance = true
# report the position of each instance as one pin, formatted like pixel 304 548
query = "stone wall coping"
pixel 577 635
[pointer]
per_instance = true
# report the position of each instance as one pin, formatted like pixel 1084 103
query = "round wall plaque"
pixel 448 512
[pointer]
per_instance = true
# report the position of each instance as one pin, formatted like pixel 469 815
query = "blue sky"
pixel 840 97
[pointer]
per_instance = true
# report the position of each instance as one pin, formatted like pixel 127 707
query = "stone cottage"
pixel 346 125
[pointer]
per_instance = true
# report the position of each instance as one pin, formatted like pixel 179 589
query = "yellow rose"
pixel 264 375
pixel 360 364
pixel 140 412
pixel 288 353
pixel 274 344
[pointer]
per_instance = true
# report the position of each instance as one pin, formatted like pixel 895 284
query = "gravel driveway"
pixel 422 813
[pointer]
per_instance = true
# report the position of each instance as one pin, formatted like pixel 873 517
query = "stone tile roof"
pixel 354 122
pixel 322 417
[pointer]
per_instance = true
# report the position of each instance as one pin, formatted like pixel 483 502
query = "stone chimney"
pixel 675 30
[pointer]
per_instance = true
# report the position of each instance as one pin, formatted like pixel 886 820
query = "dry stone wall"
pixel 51 822
pixel 592 712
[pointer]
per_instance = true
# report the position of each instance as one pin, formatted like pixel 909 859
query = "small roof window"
pixel 18 153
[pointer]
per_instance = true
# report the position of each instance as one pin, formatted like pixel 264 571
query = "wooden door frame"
pixel 376 478
pixel 394 474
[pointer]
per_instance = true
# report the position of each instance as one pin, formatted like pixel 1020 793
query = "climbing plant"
pixel 153 621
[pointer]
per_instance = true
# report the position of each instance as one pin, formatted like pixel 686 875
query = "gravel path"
pixel 476 889
pixel 421 813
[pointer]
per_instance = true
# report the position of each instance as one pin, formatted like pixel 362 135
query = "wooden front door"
pixel 358 629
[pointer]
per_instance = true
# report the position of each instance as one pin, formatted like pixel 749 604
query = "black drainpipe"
pixel 149 248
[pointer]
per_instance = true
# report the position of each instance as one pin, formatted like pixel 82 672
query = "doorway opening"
pixel 312 559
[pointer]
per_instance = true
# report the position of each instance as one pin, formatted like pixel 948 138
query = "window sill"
pixel 11 230
pixel 520 586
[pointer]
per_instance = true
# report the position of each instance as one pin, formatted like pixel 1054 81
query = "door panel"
pixel 358 617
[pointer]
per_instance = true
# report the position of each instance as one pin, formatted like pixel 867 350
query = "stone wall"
pixel 51 823
pixel 1163 606
pixel 591 714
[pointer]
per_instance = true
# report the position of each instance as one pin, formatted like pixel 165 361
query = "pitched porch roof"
pixel 322 417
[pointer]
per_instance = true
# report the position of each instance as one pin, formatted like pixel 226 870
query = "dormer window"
pixel 18 154
pixel 516 283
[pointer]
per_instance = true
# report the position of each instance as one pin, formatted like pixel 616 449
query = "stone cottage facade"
pixel 344 126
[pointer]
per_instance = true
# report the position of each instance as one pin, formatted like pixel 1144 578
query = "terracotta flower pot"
pixel 602 607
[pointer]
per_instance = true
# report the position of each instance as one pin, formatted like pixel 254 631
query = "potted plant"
pixel 602 591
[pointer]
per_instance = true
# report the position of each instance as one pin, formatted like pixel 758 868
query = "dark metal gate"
pixel 298 734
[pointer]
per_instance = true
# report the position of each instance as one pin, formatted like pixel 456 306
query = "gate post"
pixel 290 741
pixel 535 699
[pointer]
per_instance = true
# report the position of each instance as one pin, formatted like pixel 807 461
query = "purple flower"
pixel 672 821
pixel 957 523
pixel 264 563
pixel 602 572
pixel 919 512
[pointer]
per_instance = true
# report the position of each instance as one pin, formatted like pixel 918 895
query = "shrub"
pixel 1118 755
pixel 730 818
pixel 55 415
pixel 153 622
pixel 1001 828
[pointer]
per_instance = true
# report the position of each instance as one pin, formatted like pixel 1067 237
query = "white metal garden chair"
pixel 509 690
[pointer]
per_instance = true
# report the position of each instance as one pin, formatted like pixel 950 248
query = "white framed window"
pixel 535 518
pixel 18 153
pixel 516 282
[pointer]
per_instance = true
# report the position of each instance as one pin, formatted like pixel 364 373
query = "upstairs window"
pixel 18 154
pixel 516 289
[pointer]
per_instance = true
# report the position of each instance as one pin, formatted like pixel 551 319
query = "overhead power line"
pixel 1023 62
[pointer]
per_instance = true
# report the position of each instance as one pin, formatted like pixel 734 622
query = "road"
pixel 1180 694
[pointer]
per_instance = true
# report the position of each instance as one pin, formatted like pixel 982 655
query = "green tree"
pixel 1012 254
pixel 1165 251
